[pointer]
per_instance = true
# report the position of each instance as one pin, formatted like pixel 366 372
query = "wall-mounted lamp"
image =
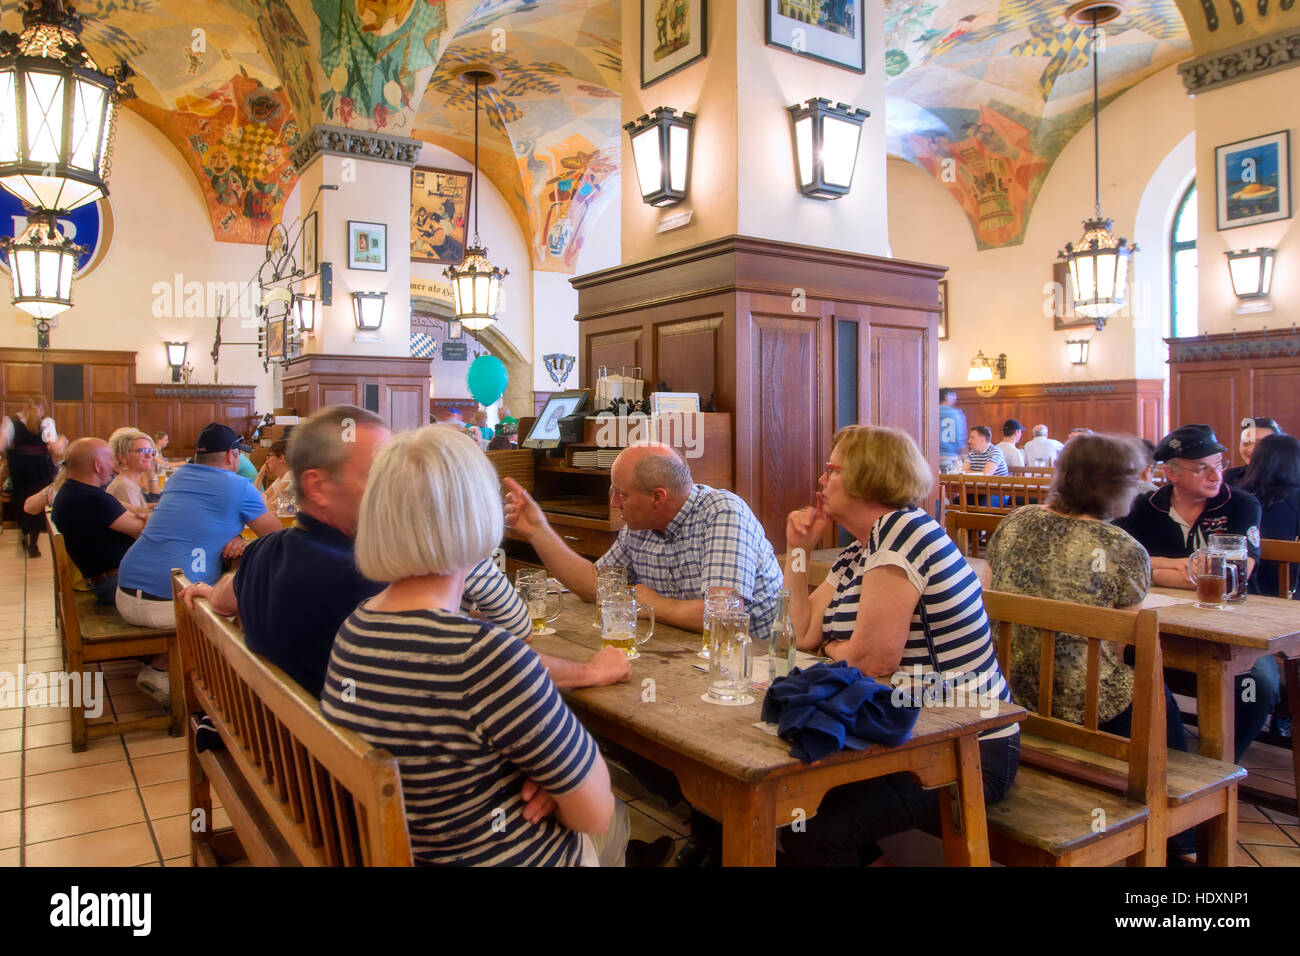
pixel 368 310
pixel 982 370
pixel 825 146
pixel 1077 350
pixel 176 357
pixel 661 149
pixel 1252 274
pixel 304 309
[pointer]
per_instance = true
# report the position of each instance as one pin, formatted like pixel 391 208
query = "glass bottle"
pixel 781 642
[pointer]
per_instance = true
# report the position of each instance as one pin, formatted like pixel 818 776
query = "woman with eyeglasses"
pixel 134 452
pixel 1253 431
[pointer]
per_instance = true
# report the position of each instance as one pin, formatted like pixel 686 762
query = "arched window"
pixel 1182 267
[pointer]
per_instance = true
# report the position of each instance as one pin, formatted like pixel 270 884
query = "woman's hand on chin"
pixel 804 528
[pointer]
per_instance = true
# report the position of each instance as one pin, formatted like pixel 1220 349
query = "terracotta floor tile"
pixel 60 756
pixel 82 782
pixel 11 717
pixel 105 811
pixel 11 765
pixel 177 861
pixel 9 857
pixel 149 743
pixel 47 735
pixel 1241 858
pixel 10 821
pixel 166 799
pixel 121 846
pixel 1253 833
pixel 11 740
pixel 9 794
pixel 135 702
pixel 1249 813
pixel 173 835
pixel 1293 833
pixel 654 810
pixel 1277 816
pixel 647 828
pixel 159 769
pixel 1264 757
pixel 1275 855
pixel 47 715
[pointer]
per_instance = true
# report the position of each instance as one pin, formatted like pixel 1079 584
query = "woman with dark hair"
pixel 29 439
pixel 1274 478
pixel 1253 431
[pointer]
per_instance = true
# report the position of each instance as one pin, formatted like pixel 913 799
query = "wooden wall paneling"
pixel 898 375
pixel 1209 395
pixel 336 393
pixel 1151 417
pixel 615 350
pixel 687 355
pixel 406 407
pixel 192 418
pixel 110 381
pixel 22 378
pixel 108 417
pixel 70 419
pixel 239 416
pixel 1116 416
pixel 159 415
pixel 1274 393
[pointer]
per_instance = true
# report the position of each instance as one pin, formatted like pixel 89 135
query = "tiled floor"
pixel 123 801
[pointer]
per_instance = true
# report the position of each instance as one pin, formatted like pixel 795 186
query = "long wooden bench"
pixel 991 494
pixel 1287 553
pixel 299 790
pixel 967 527
pixel 92 633
pixel 1178 790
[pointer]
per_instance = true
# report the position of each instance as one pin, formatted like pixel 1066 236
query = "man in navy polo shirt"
pixel 1179 518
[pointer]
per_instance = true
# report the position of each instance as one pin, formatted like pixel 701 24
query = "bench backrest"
pixel 335 799
pixel 65 595
pixel 1285 553
pixel 964 527
pixel 992 494
pixel 1146 750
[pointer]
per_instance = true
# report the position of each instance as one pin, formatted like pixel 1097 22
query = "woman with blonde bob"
pixel 900 603
pixel 133 451
pixel 465 706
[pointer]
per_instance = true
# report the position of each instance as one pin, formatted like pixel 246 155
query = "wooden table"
pixel 746 778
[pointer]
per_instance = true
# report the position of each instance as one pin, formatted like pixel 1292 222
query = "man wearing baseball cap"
pixel 196 523
pixel 1173 521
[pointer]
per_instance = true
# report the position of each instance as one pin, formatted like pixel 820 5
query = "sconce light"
pixel 661 149
pixel 304 307
pixel 1077 351
pixel 368 310
pixel 176 357
pixel 981 373
pixel 1252 273
pixel 825 146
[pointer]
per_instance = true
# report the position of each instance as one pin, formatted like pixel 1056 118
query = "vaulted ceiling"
pixel 983 94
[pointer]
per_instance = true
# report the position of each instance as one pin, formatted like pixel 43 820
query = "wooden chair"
pixel 991 494
pixel 966 529
pixel 299 790
pixel 93 633
pixel 1178 790
pixel 1035 471
pixel 1285 553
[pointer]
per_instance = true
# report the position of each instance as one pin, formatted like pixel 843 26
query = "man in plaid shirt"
pixel 679 538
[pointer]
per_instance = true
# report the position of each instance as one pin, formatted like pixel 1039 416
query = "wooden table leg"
pixel 971 848
pixel 749 826
pixel 1215 702
pixel 1292 674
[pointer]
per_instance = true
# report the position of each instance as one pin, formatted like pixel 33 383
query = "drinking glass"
pixel 286 505
pixel 1234 548
pixel 524 575
pixel 608 580
pixel 618 626
pixel 538 598
pixel 717 599
pixel 1214 576
pixel 731 661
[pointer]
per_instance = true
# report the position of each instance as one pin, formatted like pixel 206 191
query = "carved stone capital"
pixel 359 143
pixel 1234 64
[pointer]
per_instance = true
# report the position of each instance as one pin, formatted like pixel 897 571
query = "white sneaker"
pixel 157 684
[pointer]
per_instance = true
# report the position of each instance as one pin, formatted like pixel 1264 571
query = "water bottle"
pixel 781 642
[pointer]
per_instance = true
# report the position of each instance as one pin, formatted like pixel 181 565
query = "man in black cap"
pixel 1012 432
pixel 1179 518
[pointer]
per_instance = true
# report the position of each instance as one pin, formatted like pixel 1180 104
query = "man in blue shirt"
pixel 952 430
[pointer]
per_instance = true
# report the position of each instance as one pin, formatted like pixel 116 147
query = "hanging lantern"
pixel 41 264
pixel 56 111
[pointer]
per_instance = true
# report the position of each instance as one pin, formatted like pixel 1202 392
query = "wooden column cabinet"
pixel 792 341
pixel 394 388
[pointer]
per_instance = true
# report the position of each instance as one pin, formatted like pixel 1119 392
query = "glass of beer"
pixel 618 626
pixel 717 599
pixel 538 598
pixel 608 580
pixel 1234 548
pixel 731 659
pixel 1215 577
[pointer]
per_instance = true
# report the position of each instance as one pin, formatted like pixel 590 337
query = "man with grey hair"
pixel 679 539
pixel 1041 450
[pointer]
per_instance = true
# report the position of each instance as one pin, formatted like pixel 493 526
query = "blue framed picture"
pixel 1253 180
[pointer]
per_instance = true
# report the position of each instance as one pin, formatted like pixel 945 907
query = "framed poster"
pixel 454 329
pixel 439 214
pixel 1252 179
pixel 672 36
pixel 826 30
pixel 310 258
pixel 943 309
pixel 368 246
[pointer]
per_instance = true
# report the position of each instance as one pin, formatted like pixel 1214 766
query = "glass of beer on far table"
pixel 718 600
pixel 1233 547
pixel 1215 576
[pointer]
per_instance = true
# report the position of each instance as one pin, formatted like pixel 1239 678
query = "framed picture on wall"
pixel 672 36
pixel 455 330
pixel 439 212
pixel 943 309
pixel 310 257
pixel 830 30
pixel 1252 179
pixel 368 246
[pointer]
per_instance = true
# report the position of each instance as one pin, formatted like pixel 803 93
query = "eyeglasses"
pixel 1200 471
pixel 146 452
pixel 831 468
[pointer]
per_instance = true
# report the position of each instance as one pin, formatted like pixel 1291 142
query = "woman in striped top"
pixel 467 709
pixel 900 603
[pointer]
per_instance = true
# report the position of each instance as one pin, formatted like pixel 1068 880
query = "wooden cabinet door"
pixel 407 407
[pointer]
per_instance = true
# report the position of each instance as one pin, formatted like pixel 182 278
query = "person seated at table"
pixel 194 526
pixel 1274 478
pixel 133 451
pixel 1179 518
pixel 330 456
pixel 160 443
pixel 900 599
pixel 1145 485
pixel 244 467
pixel 985 458
pixel 413 674
pixel 1075 432
pixel 1041 450
pixel 1012 431
pixel 1253 431
pixel 274 477
pixel 97 530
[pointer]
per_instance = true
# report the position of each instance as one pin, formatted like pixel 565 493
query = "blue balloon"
pixel 487 379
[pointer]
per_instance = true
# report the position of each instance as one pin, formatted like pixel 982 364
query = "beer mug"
pixel 286 505
pixel 618 626
pixel 717 600
pixel 1215 577
pixel 1234 548
pixel 608 581
pixel 538 598
pixel 731 660
pixel 525 575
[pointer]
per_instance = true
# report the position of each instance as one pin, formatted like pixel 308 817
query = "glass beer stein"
pixel 731 660
pixel 608 581
pixel 1215 577
pixel 717 600
pixel 1234 548
pixel 538 597
pixel 618 626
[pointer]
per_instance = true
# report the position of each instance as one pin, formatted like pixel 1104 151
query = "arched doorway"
pixel 431 317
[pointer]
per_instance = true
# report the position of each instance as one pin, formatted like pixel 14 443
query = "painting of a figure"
pixel 439 207
pixel 672 36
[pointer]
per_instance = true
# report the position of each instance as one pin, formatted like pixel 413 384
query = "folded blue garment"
pixel 832 706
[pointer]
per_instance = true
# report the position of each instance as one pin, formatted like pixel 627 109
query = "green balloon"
pixel 487 379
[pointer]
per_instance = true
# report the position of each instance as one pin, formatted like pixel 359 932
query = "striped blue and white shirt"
pixel 470 714
pixel 950 593
pixel 713 541
pixel 489 591
pixel 976 461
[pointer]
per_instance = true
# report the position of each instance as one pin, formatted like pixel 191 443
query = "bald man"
pixel 679 539
pixel 97 529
